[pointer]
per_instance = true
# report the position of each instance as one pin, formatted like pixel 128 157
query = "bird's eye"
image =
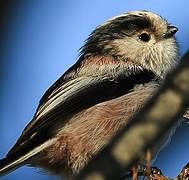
pixel 144 36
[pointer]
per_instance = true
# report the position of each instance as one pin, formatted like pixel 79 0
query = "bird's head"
pixel 141 38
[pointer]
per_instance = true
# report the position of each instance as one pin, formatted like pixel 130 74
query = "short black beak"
pixel 171 30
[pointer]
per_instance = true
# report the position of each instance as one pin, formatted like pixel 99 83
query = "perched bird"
pixel 121 65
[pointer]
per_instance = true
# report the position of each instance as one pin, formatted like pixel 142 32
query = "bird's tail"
pixel 8 165
pixel 13 161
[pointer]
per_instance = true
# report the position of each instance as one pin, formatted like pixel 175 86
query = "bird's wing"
pixel 70 98
pixel 66 99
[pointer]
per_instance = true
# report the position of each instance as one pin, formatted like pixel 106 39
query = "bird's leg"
pixel 135 172
pixel 148 160
pixel 140 170
pixel 153 172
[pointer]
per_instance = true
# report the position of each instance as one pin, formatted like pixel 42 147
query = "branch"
pixel 184 175
pixel 145 129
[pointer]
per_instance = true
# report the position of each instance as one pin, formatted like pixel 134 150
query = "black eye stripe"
pixel 144 37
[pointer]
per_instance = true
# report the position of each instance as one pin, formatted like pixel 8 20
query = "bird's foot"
pixel 142 170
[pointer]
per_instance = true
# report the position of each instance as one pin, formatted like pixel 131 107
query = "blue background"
pixel 42 41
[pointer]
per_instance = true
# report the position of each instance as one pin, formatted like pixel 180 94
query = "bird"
pixel 121 65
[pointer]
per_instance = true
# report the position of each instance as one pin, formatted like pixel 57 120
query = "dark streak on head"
pixel 116 29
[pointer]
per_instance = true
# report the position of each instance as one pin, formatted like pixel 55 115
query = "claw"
pixel 155 170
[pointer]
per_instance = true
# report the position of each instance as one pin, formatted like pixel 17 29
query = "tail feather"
pixel 13 162
pixel 7 165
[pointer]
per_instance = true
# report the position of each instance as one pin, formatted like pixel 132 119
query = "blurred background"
pixel 40 39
